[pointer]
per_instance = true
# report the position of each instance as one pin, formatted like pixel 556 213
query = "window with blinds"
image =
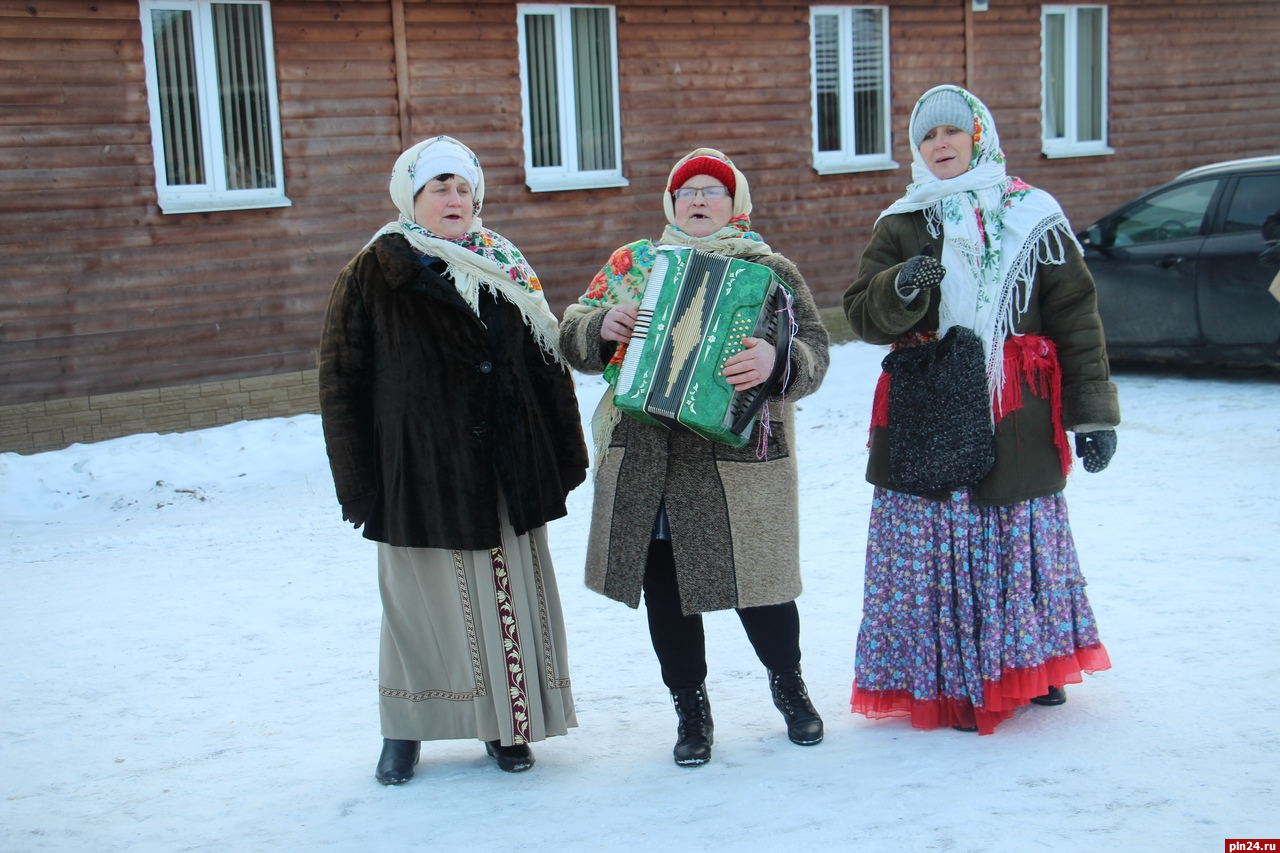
pixel 850 62
pixel 214 116
pixel 569 81
pixel 1073 45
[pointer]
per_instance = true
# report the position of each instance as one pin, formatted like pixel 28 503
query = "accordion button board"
pixel 696 309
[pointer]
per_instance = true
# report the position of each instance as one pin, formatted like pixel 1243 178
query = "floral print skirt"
pixel 969 611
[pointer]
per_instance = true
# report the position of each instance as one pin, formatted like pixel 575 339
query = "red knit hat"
pixel 704 165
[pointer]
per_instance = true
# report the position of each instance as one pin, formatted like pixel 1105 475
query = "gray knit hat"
pixel 946 106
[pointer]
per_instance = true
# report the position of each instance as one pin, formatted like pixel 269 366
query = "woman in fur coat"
pixel 454 435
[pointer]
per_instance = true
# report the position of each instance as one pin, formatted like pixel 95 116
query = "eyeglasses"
pixel 686 193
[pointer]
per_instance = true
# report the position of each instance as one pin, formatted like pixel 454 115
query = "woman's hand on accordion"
pixel 618 323
pixel 752 366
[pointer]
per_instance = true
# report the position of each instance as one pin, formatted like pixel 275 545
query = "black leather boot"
pixel 1055 696
pixel 512 759
pixel 397 761
pixel 804 726
pixel 696 731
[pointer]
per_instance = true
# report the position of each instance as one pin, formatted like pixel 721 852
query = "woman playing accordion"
pixel 701 525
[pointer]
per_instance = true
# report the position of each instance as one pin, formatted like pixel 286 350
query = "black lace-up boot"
pixel 804 726
pixel 695 733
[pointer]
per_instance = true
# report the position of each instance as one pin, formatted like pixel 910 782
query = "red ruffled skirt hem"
pixel 1000 697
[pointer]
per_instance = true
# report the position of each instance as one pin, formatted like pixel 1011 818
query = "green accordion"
pixel 696 309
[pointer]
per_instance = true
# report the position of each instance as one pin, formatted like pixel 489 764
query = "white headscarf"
pixel 996 230
pixel 445 157
pixel 479 258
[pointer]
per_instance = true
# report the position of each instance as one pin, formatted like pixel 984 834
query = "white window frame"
pixel 567 176
pixel 213 194
pixel 846 159
pixel 1070 145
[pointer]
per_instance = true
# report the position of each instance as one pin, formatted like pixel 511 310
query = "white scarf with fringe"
pixel 481 258
pixel 996 231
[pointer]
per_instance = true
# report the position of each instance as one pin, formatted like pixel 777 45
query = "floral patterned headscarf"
pixel 995 229
pixel 479 258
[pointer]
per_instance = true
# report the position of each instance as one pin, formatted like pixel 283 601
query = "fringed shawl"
pixel 481 258
pixel 996 231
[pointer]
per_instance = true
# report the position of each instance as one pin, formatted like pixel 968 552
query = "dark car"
pixel 1183 271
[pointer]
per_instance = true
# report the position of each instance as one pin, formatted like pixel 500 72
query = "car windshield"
pixel 1170 215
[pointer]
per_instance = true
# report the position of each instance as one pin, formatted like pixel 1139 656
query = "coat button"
pixel 479 430
pixel 485 367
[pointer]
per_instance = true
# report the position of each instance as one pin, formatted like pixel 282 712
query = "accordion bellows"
pixel 697 308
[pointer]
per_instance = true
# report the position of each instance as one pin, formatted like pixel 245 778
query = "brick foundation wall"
pixel 55 424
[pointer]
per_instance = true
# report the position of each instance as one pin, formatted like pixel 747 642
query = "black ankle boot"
pixel 804 726
pixel 512 759
pixel 695 733
pixel 397 761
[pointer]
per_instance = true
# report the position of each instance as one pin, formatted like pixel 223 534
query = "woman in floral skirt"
pixel 974 602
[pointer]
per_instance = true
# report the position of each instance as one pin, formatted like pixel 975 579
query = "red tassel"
pixel 880 404
pixel 1034 359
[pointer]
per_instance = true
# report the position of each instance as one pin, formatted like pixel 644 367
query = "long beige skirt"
pixel 473 643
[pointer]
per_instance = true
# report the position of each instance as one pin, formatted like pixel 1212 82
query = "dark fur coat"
pixel 434 411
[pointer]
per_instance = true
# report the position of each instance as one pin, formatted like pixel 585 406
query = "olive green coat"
pixel 1063 308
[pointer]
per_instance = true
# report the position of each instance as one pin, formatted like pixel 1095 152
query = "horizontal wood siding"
pixel 105 294
pixel 734 77
pixel 109 294
pixel 1190 83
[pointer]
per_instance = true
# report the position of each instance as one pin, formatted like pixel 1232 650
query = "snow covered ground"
pixel 189 646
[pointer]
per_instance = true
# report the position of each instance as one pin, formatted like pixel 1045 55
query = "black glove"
pixel 357 510
pixel 919 273
pixel 1096 449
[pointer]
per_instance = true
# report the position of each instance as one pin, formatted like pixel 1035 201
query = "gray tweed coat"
pixel 735 526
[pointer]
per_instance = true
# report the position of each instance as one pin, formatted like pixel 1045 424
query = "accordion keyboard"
pixel 644 319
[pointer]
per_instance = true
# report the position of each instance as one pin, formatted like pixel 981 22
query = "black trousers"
pixel 678 640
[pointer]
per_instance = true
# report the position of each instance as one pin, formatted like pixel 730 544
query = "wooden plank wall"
pixel 1190 83
pixel 728 76
pixel 103 293
pixel 106 293
pixel 736 76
